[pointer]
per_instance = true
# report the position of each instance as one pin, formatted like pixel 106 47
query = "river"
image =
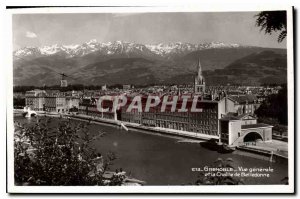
pixel 165 160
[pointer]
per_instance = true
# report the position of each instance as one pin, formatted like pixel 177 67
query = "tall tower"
pixel 199 80
pixel 63 82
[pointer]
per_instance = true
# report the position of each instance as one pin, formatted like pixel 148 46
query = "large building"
pixel 243 129
pixel 247 103
pixel 35 99
pixel 52 101
pixel 205 121
pixel 56 104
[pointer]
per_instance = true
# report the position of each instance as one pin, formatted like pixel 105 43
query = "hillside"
pixel 255 69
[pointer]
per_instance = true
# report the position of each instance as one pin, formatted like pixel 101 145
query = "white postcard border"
pixel 11 188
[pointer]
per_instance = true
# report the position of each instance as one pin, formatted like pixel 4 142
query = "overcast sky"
pixel 146 28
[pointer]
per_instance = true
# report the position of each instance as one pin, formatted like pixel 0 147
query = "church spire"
pixel 200 77
pixel 199 80
pixel 199 69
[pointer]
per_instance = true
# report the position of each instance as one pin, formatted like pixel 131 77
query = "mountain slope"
pixel 265 67
pixel 129 63
pixel 255 69
pixel 117 71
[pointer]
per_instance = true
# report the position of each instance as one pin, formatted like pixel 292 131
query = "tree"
pixel 19 102
pixel 221 177
pixel 273 21
pixel 275 106
pixel 59 156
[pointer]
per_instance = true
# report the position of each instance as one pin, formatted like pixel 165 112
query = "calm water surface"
pixel 161 160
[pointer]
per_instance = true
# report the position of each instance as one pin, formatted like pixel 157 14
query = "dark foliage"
pixel 23 89
pixel 273 21
pixel 60 156
pixel 19 102
pixel 73 109
pixel 275 106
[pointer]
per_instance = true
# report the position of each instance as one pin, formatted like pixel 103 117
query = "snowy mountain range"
pixel 163 50
pixel 122 62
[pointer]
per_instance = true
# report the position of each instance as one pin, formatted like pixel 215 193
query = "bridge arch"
pixel 252 137
pixel 29 113
pixel 33 113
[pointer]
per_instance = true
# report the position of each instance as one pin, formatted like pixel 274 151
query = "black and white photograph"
pixel 156 100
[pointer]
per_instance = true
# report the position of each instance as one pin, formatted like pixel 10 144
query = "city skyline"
pixel 146 28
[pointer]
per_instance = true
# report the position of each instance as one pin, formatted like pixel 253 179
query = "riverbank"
pixel 146 155
pixel 190 137
pixel 269 154
pixel 132 126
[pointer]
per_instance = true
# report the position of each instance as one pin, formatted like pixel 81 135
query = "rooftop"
pixel 234 116
pixel 258 125
pixel 248 98
pixel 241 116
pixel 228 118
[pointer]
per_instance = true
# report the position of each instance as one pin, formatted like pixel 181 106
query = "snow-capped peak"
pixel 50 50
pixel 116 47
pixel 92 42
pixel 72 46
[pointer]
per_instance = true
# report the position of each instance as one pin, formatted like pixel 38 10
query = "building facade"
pixel 89 107
pixel 72 104
pixel 56 104
pixel 243 130
pixel 35 103
pixel 246 103
pixel 204 121
pixel 35 99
